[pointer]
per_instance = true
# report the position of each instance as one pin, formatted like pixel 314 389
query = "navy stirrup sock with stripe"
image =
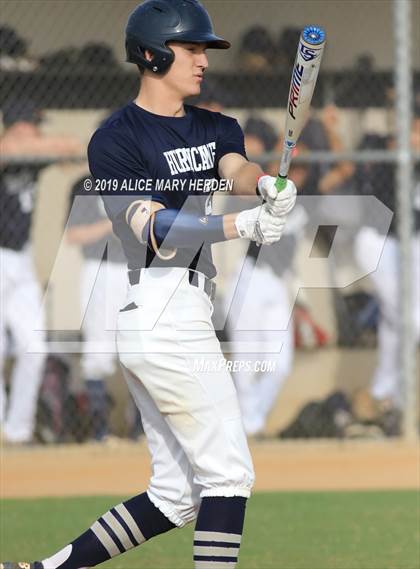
pixel 218 532
pixel 123 527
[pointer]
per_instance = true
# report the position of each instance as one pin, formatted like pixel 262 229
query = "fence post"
pixel 405 181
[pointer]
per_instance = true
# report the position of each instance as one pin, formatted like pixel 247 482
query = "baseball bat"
pixel 302 85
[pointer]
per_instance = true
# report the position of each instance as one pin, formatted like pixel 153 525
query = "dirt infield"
pixel 124 468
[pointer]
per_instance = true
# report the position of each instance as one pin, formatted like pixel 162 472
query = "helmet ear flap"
pixel 168 58
pixel 136 53
pixel 161 61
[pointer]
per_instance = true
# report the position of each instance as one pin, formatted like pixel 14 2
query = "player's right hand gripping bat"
pixel 302 85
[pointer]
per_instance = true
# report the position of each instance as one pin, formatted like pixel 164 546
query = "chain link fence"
pixel 335 275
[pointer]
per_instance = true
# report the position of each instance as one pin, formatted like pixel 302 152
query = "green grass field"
pixel 346 530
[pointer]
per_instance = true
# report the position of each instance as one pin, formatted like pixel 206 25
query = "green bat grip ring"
pixel 281 183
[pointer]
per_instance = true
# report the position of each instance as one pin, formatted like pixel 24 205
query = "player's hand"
pixel 279 203
pixel 260 225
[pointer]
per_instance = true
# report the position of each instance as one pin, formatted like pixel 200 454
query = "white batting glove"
pixel 259 225
pixel 279 203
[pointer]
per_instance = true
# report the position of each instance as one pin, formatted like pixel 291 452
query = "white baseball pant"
pixel 260 309
pixel 21 314
pixel 191 415
pixel 385 279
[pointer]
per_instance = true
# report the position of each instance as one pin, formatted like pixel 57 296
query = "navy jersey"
pixel 138 155
pixel 18 185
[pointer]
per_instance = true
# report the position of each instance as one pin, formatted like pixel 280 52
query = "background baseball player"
pixel 264 321
pixel 103 286
pixel 201 464
pixel 20 291
pixel 379 180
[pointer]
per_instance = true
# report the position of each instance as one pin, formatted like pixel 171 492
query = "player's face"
pixel 186 73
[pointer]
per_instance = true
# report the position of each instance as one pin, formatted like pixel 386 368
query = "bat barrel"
pixel 304 75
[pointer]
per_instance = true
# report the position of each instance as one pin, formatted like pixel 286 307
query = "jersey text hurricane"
pixel 194 159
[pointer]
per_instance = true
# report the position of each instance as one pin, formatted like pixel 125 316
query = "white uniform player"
pixel 260 324
pixel 380 181
pixel 386 384
pixel 103 287
pixel 20 292
pixel 262 321
pixel 21 315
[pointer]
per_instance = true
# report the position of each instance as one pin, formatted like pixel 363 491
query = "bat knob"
pixel 314 35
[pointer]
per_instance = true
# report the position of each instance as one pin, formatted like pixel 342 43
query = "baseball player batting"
pixel 154 161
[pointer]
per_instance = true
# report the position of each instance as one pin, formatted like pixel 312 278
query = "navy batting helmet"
pixel 155 22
